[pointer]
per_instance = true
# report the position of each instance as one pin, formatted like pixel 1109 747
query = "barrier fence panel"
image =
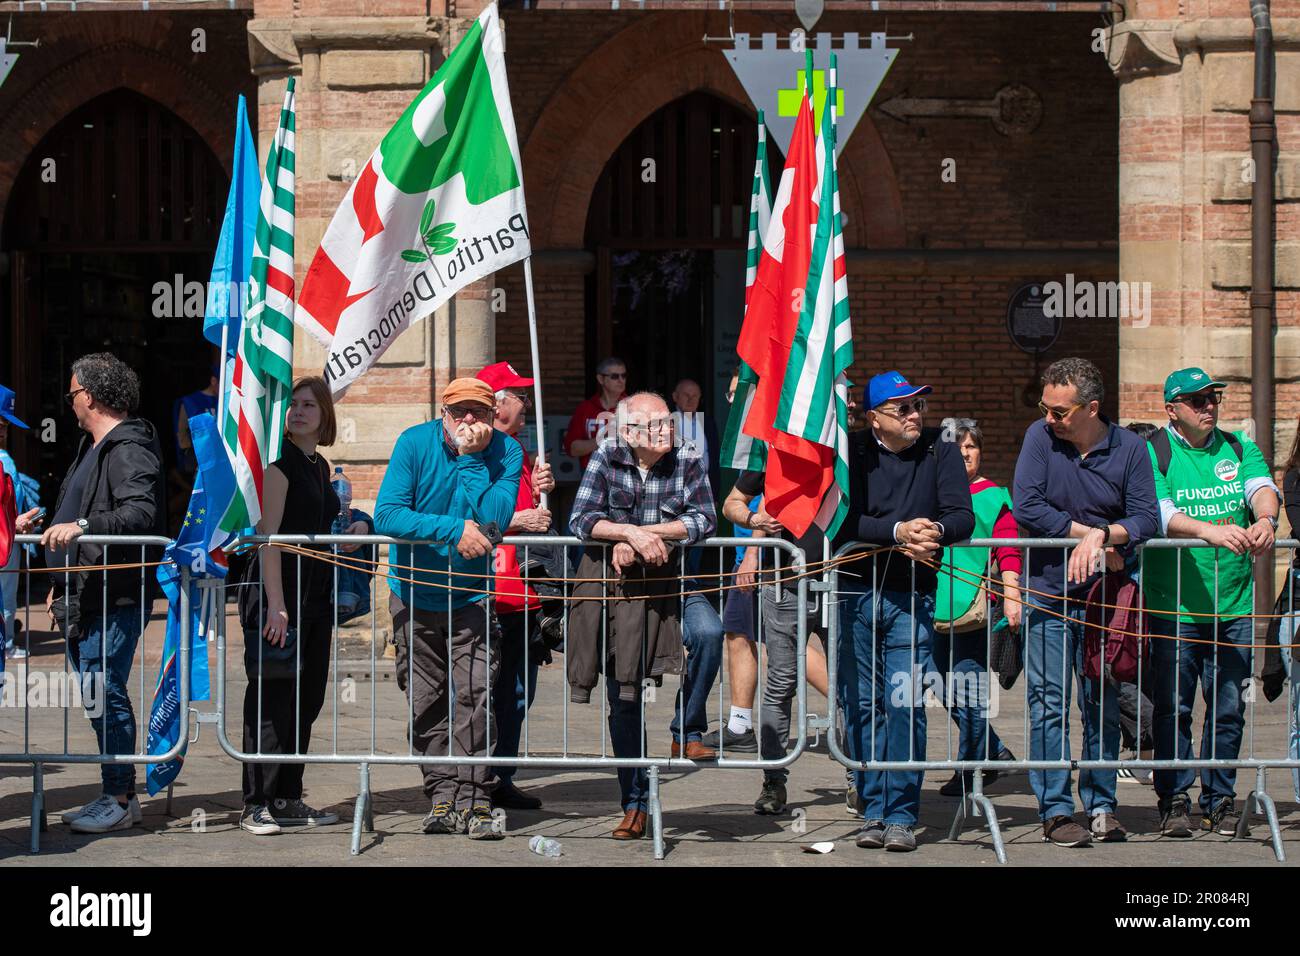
pixel 446 716
pixel 100 640
pixel 889 663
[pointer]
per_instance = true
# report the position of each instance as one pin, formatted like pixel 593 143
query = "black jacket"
pixel 124 495
pixel 927 480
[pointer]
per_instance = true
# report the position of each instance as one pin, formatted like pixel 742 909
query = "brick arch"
pixel 120 65
pixel 626 80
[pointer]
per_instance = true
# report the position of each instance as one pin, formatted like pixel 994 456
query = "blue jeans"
pixel 1053 653
pixel 702 635
pixel 628 740
pixel 101 652
pixel 1287 637
pixel 509 703
pixel 1176 666
pixel 883 654
pixel 967 697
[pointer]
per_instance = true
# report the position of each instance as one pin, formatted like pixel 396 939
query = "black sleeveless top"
pixel 310 507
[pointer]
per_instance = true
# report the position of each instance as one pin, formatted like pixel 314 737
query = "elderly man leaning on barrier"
pixel 908 490
pixel 1078 476
pixel 113 487
pixel 516 603
pixel 449 481
pixel 643 494
pixel 1207 480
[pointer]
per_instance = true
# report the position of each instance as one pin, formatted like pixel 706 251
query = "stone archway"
pixel 583 124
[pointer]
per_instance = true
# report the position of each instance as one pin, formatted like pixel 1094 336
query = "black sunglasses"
pixel 1201 399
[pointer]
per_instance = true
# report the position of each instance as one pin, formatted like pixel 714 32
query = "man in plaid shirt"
pixel 641 493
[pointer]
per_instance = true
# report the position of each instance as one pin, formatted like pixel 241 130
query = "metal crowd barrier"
pixel 976 799
pixel 573 748
pixel 48 699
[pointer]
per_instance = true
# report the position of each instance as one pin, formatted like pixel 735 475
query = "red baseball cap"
pixel 503 375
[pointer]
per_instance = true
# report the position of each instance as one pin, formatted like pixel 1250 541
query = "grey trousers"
pixel 779 633
pixel 447 694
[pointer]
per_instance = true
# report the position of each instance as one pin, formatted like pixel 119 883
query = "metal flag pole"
pixel 537 367
pixel 221 387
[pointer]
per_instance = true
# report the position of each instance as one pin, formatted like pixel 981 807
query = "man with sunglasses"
pixel 447 483
pixel 1078 476
pixel 908 493
pixel 592 416
pixel 1215 486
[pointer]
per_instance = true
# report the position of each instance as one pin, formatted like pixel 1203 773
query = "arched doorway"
pixel 668 222
pixel 119 200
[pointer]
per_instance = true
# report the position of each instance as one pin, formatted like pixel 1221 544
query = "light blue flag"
pixel 199 547
pixel 234 258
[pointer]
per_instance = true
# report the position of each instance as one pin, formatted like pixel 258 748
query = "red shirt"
pixel 584 424
pixel 509 585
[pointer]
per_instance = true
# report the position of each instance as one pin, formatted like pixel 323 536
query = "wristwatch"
pixel 1105 533
pixel 84 525
pixel 1272 519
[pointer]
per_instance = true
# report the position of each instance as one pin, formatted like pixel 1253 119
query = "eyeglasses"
pixel 457 412
pixel 619 375
pixel 523 400
pixel 71 397
pixel 659 425
pixel 1201 399
pixel 904 409
pixel 1055 413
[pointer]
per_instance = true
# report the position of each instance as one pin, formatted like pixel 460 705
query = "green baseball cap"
pixel 1185 381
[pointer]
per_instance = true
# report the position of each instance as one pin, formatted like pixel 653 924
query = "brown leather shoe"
pixel 694 751
pixel 632 827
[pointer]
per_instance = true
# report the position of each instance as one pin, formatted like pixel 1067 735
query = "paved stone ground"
pixel 707 813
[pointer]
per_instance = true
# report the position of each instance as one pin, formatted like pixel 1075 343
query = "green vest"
pixel 959 577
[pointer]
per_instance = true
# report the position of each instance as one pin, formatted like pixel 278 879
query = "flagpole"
pixel 221 365
pixel 537 366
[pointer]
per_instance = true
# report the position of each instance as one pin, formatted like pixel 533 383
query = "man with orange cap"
pixel 452 483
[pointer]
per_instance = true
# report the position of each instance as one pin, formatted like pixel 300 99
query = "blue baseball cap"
pixel 889 386
pixel 7 407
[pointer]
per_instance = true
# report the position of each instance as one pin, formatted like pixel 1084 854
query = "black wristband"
pixel 1105 533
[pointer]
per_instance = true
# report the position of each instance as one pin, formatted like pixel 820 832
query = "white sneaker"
pixel 133 806
pixel 103 816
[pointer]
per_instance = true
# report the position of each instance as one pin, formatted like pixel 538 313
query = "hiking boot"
pixel 295 813
pixel 103 816
pixel 1063 831
pixel 872 835
pixel 1174 821
pixel 771 800
pixel 746 743
pixel 1107 829
pixel 481 825
pixel 899 838
pixel 1222 818
pixel 257 820
pixel 443 818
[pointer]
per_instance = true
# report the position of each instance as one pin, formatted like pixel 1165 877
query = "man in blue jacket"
pixel 1078 476
pixel 907 492
pixel 447 482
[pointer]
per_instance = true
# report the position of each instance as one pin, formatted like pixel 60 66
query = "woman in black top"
pixel 297 499
pixel 1281 662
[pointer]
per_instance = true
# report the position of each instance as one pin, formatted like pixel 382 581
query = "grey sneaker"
pixel 852 801
pixel 295 813
pixel 1174 820
pixel 872 835
pixel 1222 818
pixel 257 820
pixel 103 816
pixel 899 838
pixel 771 800
pixel 1063 831
pixel 443 818
pixel 1107 829
pixel 481 825
pixel 727 739
pixel 133 807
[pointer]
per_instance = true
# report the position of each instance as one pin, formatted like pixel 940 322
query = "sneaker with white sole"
pixel 133 806
pixel 295 813
pixel 103 816
pixel 257 820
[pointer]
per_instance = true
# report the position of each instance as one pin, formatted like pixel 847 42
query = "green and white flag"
pixel 262 381
pixel 741 451
pixel 814 394
pixel 438 205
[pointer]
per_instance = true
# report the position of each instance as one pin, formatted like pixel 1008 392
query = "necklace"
pixel 312 458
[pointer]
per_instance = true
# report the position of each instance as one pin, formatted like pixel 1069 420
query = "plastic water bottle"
pixel 545 846
pixel 343 488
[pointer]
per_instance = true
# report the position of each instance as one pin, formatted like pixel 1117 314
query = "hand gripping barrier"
pixel 464 643
pixel 46 699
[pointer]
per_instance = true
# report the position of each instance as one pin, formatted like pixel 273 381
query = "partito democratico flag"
pixel 439 205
